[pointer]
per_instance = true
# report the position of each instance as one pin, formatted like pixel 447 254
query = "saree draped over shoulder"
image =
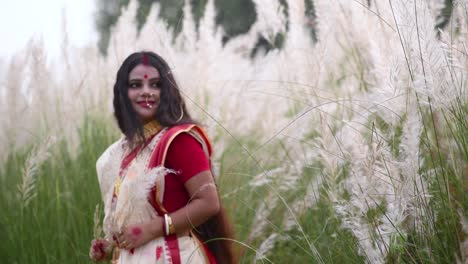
pixel 132 187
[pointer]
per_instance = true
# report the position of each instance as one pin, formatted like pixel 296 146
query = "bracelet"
pixel 171 225
pixel 166 225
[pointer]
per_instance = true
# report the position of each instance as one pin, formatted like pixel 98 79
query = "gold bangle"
pixel 171 225
pixel 166 225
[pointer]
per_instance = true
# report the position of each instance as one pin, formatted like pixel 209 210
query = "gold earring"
pixel 181 114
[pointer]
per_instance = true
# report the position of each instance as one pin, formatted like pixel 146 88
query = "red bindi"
pixel 136 231
pixel 145 76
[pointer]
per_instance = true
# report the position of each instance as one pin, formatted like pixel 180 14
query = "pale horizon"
pixel 24 20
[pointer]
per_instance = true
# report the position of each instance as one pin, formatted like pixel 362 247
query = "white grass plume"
pixel 261 221
pixel 27 189
pixel 266 246
pixel 265 178
pixel 133 205
pixel 270 19
pixel 97 231
pixel 301 206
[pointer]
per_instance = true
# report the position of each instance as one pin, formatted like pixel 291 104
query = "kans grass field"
pixel 349 145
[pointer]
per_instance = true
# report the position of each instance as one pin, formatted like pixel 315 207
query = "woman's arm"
pixel 186 156
pixel 204 203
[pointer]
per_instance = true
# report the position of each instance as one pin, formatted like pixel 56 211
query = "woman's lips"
pixel 148 104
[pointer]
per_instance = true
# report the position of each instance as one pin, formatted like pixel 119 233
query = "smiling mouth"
pixel 147 104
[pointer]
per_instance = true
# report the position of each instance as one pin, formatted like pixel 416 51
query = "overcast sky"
pixel 22 19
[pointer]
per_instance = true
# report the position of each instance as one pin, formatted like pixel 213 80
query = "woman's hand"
pixel 134 236
pixel 100 249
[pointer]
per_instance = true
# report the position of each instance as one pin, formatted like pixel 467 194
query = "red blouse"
pixel 185 156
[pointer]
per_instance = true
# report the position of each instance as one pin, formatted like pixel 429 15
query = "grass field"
pixel 351 149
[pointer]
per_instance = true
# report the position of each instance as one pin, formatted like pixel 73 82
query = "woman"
pixel 161 201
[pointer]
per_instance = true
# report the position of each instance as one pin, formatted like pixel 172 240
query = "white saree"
pixel 126 202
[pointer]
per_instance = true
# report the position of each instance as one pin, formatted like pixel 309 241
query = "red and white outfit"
pixel 149 181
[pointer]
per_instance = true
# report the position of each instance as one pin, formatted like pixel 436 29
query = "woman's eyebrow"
pixel 139 79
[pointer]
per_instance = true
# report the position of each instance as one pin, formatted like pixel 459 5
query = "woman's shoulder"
pixel 191 137
pixel 112 152
pixel 194 130
pixel 108 164
pixel 181 128
pixel 173 135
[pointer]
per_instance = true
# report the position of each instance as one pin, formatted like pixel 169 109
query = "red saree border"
pixel 158 157
pixel 127 160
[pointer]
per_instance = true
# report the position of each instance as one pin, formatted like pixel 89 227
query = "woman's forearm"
pixel 196 212
pixel 203 205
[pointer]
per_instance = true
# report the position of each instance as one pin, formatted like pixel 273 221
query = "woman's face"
pixel 144 91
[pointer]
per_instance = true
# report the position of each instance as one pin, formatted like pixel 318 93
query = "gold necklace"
pixel 151 128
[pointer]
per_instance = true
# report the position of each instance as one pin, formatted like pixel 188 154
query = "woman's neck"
pixel 151 128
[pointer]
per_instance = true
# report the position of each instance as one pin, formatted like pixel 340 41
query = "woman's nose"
pixel 146 87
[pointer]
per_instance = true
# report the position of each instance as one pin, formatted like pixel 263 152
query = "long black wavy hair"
pixel 216 232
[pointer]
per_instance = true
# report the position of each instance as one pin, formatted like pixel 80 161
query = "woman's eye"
pixel 155 84
pixel 134 85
